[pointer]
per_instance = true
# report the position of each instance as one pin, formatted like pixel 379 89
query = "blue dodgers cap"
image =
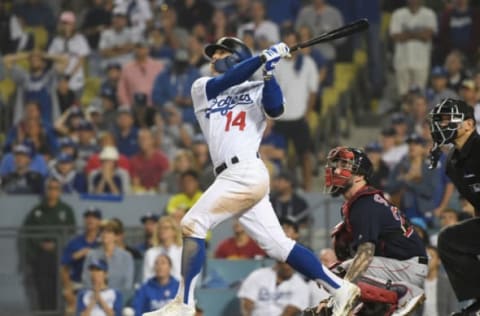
pixel 108 92
pixel 66 142
pixel 398 118
pixel 415 138
pixel 64 158
pixel 439 71
pixel 149 216
pixel 389 131
pixel 85 125
pixel 75 111
pixel 114 65
pixel 98 264
pixel 415 89
pixel 23 149
pixel 93 211
pixel 373 147
pixel 125 108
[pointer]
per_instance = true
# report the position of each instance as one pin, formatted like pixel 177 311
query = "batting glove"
pixel 271 57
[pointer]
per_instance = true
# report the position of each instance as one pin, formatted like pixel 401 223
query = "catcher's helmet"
pixel 445 119
pixel 239 51
pixel 350 161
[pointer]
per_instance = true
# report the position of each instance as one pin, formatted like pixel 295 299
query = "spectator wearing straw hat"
pixel 109 178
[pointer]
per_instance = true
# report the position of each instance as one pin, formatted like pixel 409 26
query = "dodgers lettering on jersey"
pixel 233 122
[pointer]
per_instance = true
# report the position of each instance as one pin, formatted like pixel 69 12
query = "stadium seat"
pixel 218 302
pixel 91 90
pixel 221 273
pixel 329 99
pixel 7 89
pixel 40 36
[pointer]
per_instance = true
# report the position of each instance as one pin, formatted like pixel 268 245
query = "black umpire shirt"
pixel 463 168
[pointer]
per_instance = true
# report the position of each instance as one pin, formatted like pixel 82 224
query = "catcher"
pixel 380 250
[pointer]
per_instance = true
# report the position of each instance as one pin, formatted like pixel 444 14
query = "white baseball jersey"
pixel 233 122
pixel 109 296
pixel 175 255
pixel 271 299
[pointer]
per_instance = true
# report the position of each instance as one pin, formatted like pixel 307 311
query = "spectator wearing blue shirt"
pixel 64 171
pixel 283 12
pixel 17 133
pixel 173 85
pixel 74 254
pixel 87 142
pixel 37 162
pixel 159 48
pixel 158 290
pixel 120 261
pixel 273 146
pixel 22 180
pixel 109 86
pixel 38 82
pixel 99 300
pixel 459 29
pixel 371 10
pixel 413 182
pixel 439 89
pixel 149 222
pixel 109 105
pixel 126 133
pixel 36 13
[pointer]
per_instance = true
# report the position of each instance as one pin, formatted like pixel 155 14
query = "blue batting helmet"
pixel 239 51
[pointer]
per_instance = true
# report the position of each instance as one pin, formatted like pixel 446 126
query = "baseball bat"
pixel 346 30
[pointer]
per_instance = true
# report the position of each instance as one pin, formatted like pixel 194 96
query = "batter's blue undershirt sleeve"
pixel 235 75
pixel 272 98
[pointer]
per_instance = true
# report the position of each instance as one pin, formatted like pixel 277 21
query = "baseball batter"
pixel 232 113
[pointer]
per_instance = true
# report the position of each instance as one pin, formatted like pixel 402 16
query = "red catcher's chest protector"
pixel 342 232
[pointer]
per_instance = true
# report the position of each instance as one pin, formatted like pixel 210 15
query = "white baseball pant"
pixel 241 190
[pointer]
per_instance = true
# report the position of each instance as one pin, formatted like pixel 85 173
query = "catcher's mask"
pixel 342 164
pixel 445 119
pixel 239 51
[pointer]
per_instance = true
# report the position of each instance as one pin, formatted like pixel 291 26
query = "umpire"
pixel 453 122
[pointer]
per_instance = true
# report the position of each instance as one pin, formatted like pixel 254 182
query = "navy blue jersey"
pixel 375 220
pixel 76 265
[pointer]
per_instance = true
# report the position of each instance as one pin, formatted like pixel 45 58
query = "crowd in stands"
pixel 102 107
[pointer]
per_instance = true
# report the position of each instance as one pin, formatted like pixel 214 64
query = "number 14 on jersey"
pixel 237 120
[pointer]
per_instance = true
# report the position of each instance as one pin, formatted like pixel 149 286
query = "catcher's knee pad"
pixel 374 293
pixel 378 299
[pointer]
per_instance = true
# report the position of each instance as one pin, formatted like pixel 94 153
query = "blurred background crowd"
pixel 95 102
